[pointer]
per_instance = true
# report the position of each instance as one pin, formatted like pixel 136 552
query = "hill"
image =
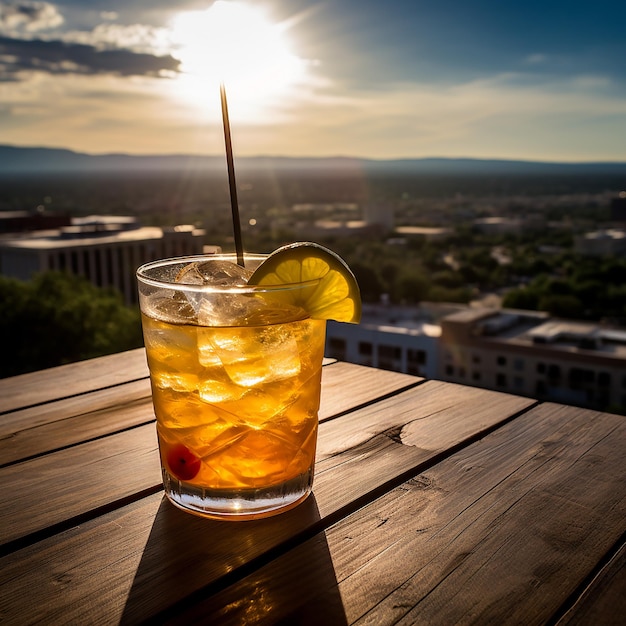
pixel 22 161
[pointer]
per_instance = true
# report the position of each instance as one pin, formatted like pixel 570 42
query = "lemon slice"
pixel 333 293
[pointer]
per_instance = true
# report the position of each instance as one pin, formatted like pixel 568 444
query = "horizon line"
pixel 325 157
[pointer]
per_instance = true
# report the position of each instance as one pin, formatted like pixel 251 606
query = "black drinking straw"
pixel 231 178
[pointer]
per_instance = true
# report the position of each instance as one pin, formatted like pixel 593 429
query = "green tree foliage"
pixel 412 285
pixel 368 280
pixel 59 318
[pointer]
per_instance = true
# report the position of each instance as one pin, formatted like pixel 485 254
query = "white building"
pixel 522 352
pixel 611 241
pixel 404 339
pixel 105 249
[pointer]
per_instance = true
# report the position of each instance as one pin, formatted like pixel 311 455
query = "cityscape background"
pixel 468 162
pixel 488 273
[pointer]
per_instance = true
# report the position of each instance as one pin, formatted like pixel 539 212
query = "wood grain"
pixel 207 551
pixel 503 532
pixel 603 601
pixel 55 425
pixel 346 386
pixel 112 468
pixel 67 380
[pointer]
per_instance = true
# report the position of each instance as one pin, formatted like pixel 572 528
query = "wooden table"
pixel 433 503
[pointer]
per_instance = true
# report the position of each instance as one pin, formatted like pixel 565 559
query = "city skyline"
pixel 406 79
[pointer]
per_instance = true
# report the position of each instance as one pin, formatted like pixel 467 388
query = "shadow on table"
pixel 196 570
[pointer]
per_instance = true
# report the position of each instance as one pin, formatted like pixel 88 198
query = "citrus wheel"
pixel 333 293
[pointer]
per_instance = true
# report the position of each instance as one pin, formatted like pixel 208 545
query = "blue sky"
pixel 402 78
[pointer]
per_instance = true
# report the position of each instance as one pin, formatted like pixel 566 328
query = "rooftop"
pixel 83 231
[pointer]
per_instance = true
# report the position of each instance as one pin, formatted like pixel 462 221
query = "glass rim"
pixel 143 277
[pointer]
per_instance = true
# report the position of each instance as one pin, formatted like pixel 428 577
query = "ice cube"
pixel 267 355
pixel 227 309
pixel 214 309
pixel 213 272
pixel 174 308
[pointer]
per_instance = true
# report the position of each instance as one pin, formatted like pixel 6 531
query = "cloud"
pixel 58 57
pixel 28 17
pixel 30 41
pixel 135 37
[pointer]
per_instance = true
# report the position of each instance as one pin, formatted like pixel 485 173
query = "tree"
pixel 369 282
pixel 562 305
pixel 412 285
pixel 59 318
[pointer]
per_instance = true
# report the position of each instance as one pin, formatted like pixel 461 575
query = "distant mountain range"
pixel 17 160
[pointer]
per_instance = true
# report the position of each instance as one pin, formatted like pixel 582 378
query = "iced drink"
pixel 235 373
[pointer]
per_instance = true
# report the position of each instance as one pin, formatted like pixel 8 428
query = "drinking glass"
pixel 235 373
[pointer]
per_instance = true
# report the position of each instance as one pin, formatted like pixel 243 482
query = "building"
pixel 608 242
pixel 403 339
pixel 618 208
pixel 21 221
pixel 430 233
pixel 105 249
pixel 531 354
pixel 522 352
pixel 503 225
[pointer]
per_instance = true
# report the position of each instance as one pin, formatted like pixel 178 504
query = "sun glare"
pixel 236 44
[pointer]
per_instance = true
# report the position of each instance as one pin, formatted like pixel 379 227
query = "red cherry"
pixel 183 463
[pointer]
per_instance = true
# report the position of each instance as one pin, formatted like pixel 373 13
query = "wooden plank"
pixel 55 425
pixel 51 489
pixel 502 532
pixel 346 385
pixel 67 380
pixel 182 554
pixel 100 469
pixel 30 432
pixel 605 596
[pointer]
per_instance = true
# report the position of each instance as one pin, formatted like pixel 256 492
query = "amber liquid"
pixel 236 407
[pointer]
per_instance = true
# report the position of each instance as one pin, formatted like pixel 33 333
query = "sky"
pixel 541 80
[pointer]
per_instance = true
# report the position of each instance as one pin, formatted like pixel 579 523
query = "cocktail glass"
pixel 235 374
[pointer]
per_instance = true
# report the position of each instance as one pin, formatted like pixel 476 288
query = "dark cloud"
pixel 57 57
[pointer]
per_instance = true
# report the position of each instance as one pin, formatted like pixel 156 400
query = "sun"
pixel 235 44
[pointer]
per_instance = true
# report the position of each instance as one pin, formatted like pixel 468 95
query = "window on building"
pixel 389 352
pixel 518 365
pixel 580 378
pixel 108 267
pixel 518 383
pixel 337 348
pixel 87 264
pixel 541 368
pixel 97 270
pixel 476 376
pixel 554 372
pixel 365 348
pixel 501 360
pixel 389 357
pixel 449 370
pixel 476 359
pixel 416 356
pixel 604 379
pixel 501 380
